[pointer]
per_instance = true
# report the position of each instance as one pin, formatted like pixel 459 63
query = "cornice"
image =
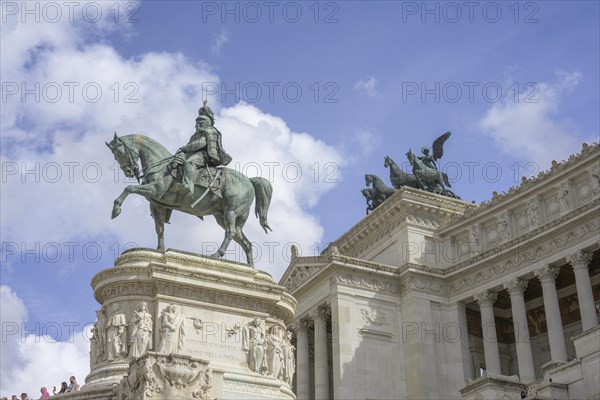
pixel 300 273
pixel 548 239
pixel 473 385
pixel 144 273
pixel 406 201
pixel 525 188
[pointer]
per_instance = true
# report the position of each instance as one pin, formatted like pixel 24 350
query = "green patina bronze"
pixel 424 176
pixel 192 181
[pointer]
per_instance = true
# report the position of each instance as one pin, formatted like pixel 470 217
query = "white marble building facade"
pixel 433 298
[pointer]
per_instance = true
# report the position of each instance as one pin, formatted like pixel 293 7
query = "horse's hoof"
pixel 116 211
pixel 218 254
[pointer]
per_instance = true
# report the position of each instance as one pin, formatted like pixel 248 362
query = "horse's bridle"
pixel 133 159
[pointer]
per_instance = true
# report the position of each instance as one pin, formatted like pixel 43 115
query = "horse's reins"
pixel 134 157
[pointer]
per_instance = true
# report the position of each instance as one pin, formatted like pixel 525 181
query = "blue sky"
pixel 361 68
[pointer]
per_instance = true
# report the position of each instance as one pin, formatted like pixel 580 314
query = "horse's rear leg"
pixel 243 241
pixel 228 221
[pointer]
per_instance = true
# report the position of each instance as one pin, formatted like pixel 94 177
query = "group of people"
pixel 72 386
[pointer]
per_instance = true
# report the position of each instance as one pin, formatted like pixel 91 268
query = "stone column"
pixel 579 261
pixel 302 361
pixel 547 276
pixel 516 288
pixel 486 301
pixel 321 359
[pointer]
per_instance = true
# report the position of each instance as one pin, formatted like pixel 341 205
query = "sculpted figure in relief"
pixel 474 242
pixel 275 351
pixel 253 343
pixel 289 363
pixel 533 212
pixel 141 331
pixel 171 330
pixel 563 198
pixel 503 230
pixel 595 180
pixel 116 334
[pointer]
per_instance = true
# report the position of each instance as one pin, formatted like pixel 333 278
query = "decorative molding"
pixel 366 282
pixel 501 261
pixel 262 386
pixel 373 317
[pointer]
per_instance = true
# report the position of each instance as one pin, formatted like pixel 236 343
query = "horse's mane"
pixel 136 137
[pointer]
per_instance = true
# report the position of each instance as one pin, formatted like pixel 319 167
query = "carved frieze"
pixel 365 282
pixel 166 376
pixel 523 256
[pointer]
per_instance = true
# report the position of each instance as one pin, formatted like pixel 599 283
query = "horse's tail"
pixel 263 191
pixel 446 182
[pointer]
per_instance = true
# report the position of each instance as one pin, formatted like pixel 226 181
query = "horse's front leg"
pixel 159 216
pixel 149 190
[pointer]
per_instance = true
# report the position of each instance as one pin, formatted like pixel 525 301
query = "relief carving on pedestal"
pixel 98 339
pixel 116 334
pixel 269 351
pixel 253 344
pixel 140 337
pixel 289 362
pixel 165 376
pixel 172 334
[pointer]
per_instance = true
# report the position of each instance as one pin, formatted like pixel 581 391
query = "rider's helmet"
pixel 207 112
pixel 425 149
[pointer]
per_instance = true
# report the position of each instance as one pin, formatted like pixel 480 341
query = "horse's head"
pixel 387 162
pixel 125 156
pixel 368 179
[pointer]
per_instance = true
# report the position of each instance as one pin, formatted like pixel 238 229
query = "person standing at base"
pixel 74 386
pixel 45 393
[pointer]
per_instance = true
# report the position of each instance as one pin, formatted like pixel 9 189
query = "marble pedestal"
pixel 180 325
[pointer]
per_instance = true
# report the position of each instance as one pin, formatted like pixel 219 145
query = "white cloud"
pixel 32 360
pixel 68 137
pixel 531 128
pixel 218 41
pixel 367 86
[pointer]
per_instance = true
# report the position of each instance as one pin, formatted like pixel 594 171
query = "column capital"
pixel 486 298
pixel 516 286
pixel 320 313
pixel 547 273
pixel 300 326
pixel 579 259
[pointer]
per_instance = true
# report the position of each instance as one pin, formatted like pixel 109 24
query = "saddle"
pixel 209 177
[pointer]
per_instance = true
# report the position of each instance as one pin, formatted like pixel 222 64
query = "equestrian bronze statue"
pixel 193 181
